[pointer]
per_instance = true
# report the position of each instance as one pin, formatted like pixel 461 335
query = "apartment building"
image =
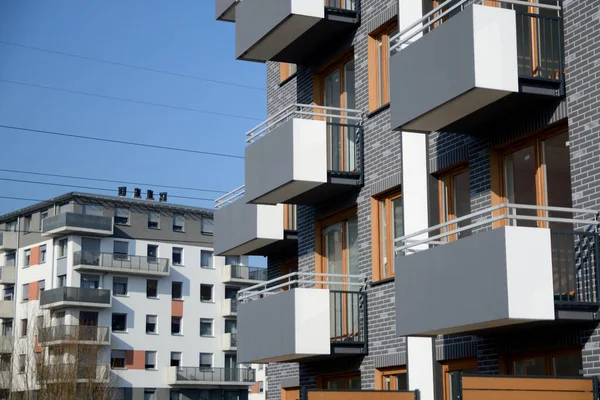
pixel 441 159
pixel 124 291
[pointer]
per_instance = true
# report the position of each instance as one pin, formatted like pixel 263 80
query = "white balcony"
pixel 291 30
pixel 225 10
pixel 289 320
pixel 7 309
pixel 496 268
pixel 229 342
pixel 8 241
pixel 489 64
pixel 304 154
pixel 229 308
pixel 7 275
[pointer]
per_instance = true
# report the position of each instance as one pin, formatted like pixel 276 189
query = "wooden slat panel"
pixel 543 384
pixel 525 395
pixel 330 395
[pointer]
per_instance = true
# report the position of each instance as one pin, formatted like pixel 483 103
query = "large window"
pixel 387 219
pixel 345 381
pixel 465 365
pixel 455 200
pixel 393 378
pixel 567 362
pixel 379 70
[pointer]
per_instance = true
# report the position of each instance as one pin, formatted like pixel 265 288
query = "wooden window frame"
pixel 381 373
pixel 452 366
pixel 376 239
pixel 288 211
pixel 286 393
pixel 322 380
pixel 497 178
pixel 446 179
pixel 506 364
pixel 286 71
pixel 382 33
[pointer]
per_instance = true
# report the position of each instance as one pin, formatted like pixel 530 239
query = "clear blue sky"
pixel 180 36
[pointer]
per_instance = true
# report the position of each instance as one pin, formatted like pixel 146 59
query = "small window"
pixel 10 258
pixel 152 288
pixel 379 69
pixel 62 280
pixel 121 216
pixel 261 388
pixel 178 223
pixel 391 379
pixel 149 394
pixel 92 209
pixel 151 324
pixel 120 250
pixel 286 71
pixel 62 247
pixel 233 260
pixel 150 360
pixel 27 258
pixel 386 228
pixel 175 358
pixel 206 327
pixel 119 322
pixel 27 224
pixel 152 252
pixel 207 226
pixel 42 254
pixel 25 292
pixel 206 293
pixel 175 395
pixel 41 287
pixel 117 359
pixel 455 201
pixel 90 281
pixel 176 325
pixel 206 360
pixel 153 220
pixel 43 216
pixel 261 367
pixel 21 363
pixel 24 327
pixel 120 287
pixel 177 290
pixel 7 327
pixel 177 256
pixel 206 259
pixel 9 293
pixel 11 226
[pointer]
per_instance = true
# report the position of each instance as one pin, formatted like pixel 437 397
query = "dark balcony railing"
pixel 64 372
pixel 74 333
pixel 76 220
pixel 348 317
pixel 253 273
pixel 121 261
pixel 75 295
pixel 343 149
pixel 201 374
pixel 348 5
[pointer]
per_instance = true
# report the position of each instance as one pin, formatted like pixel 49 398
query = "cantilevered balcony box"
pixel 225 10
pixel 75 223
pixel 8 241
pixel 286 326
pixel 291 30
pixel 491 279
pixel 244 229
pixel 476 64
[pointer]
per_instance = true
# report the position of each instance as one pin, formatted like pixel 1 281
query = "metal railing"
pixel 201 374
pixel 75 295
pixel 250 273
pixel 76 220
pixel 121 261
pixel 348 316
pixel 74 333
pixel 349 5
pixel 575 242
pixel 232 339
pixel 230 197
pixel 64 372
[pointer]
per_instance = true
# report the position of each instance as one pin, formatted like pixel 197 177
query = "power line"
pixel 121 64
pixel 21 198
pixel 147 103
pixel 110 181
pixel 91 188
pixel 153 146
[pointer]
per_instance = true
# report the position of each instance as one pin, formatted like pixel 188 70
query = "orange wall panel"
pixel 135 359
pixel 34 290
pixel 34 258
pixel 176 308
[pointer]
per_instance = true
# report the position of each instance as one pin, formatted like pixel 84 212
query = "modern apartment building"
pixel 442 160
pixel 125 292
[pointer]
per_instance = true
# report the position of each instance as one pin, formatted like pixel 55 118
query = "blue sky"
pixel 180 36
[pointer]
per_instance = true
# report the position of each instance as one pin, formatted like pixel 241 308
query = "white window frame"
pixel 212 326
pixel 155 353
pixel 212 293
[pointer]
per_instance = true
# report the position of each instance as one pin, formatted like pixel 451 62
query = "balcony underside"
pixel 289 245
pixel 337 185
pixel 121 271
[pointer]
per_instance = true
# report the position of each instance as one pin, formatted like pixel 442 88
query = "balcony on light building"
pixel 75 297
pixel 210 376
pixel 88 261
pixel 76 223
pixel 8 241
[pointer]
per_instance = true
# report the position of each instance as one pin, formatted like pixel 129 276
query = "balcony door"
pixel 90 249
pixel 87 319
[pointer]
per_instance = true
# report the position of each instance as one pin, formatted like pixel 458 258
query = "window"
pixel 92 209
pixel 120 250
pixel 206 360
pixel 206 259
pixel 206 292
pixel 9 293
pixel 290 217
pixel 21 363
pixel 7 327
pixel 177 256
pixel 27 223
pixel 62 247
pixel 261 387
pixel 10 258
pixel 455 200
pixel 177 290
pixel 207 225
pixel 152 288
pixel 230 326
pixel 121 216
pixel 117 359
pixel 149 394
pixel 43 216
pixel 261 367
pixel 175 358
pixel 233 260
pixel 25 292
pixel 42 254
pixel 466 365
pixel 176 325
pixel 151 324
pixel 387 222
pixel 175 395
pixel 286 71
pixel 59 318
pixel 41 287
pixel 150 360
pixel 346 381
pixel 120 286
pixel 206 327
pixel 90 281
pixel 393 378
pixel 549 362
pixel 152 252
pixel 337 243
pixel 24 327
pixel 5 363
pixel 379 69
pixel 27 258
pixel 62 280
pixel 154 220
pixel 178 222
pixel 119 322
pixel 11 226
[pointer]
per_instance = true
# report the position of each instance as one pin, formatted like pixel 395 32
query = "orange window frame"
pixel 453 366
pixel 379 75
pixel 323 380
pixel 290 217
pixel 382 373
pixel 286 71
pixel 447 208
pixel 377 240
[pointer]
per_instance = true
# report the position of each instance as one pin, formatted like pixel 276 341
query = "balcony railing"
pixel 75 295
pixel 539 35
pixel 75 221
pixel 83 373
pixel 575 243
pixel 7 274
pixel 74 334
pixel 8 240
pixel 200 374
pixel 121 261
pixel 251 273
